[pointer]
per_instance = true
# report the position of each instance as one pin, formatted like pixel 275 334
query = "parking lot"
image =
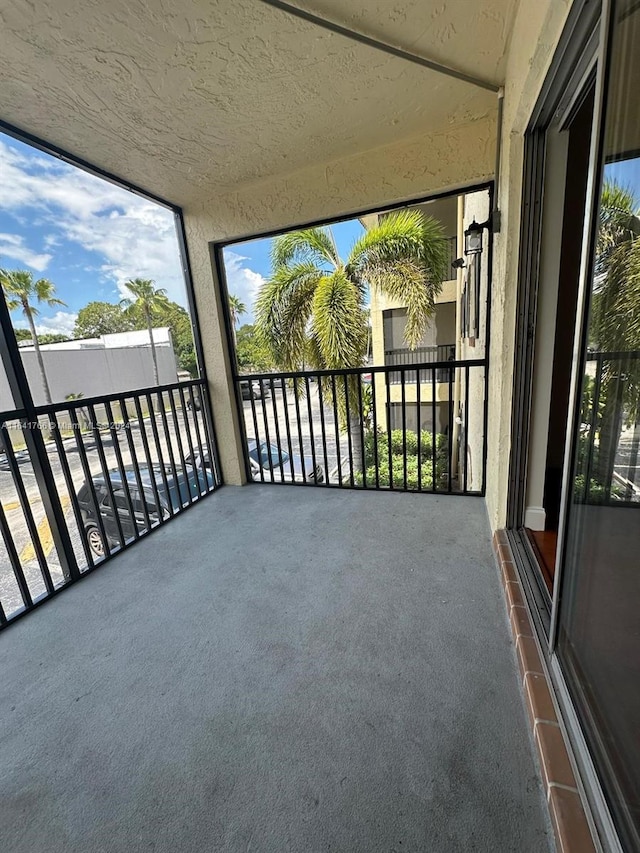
pixel 9 592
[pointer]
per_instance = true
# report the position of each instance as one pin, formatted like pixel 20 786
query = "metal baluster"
pixel 256 431
pixel 336 426
pixel 148 457
pixel 107 476
pixel 300 441
pixel 266 432
pixel 466 426
pixel 311 433
pixel 349 440
pixel 434 434
pixel 322 427
pixel 25 505
pixel 387 377
pixel 160 455
pixel 71 488
pixel 120 466
pixel 276 421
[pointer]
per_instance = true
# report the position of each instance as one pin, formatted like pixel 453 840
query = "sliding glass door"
pixel 598 606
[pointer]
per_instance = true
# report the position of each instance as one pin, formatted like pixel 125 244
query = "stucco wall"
pixel 536 32
pixel 456 156
pixel 92 372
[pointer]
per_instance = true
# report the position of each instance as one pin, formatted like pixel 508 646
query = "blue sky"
pixel 247 264
pixel 89 236
pixel 84 234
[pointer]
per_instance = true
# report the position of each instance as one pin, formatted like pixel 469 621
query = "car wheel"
pixel 94 540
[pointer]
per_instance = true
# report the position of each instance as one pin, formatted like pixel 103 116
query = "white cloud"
pixel 242 281
pixel 135 237
pixel 51 241
pixel 12 246
pixel 62 322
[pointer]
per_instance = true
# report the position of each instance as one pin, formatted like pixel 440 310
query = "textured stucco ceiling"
pixel 195 98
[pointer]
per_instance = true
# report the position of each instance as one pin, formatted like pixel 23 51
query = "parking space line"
pixel 44 534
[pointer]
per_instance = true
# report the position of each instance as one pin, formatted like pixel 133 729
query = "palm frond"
pixel 283 308
pixel 339 322
pixel 309 245
pixel 21 289
pixel 615 319
pixel 406 256
pixel 618 220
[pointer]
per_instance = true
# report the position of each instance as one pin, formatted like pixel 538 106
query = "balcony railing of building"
pixel 453 255
pixel 608 450
pixel 118 467
pixel 420 355
pixel 356 428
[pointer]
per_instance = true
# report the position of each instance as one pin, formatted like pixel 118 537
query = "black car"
pixel 197 404
pixel 175 493
pixel 254 389
pixel 265 460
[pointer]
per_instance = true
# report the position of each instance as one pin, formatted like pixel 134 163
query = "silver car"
pixel 270 463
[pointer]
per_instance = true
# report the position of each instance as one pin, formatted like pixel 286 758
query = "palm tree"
pixel 236 309
pixel 21 291
pixel 146 300
pixel 615 317
pixel 313 307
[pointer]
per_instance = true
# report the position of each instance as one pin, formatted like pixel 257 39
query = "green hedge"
pixel 397 459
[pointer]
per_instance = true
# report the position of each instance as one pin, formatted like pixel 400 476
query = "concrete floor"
pixel 280 669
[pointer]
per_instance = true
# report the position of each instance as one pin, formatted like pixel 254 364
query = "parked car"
pixel 197 402
pixel 260 459
pixel 253 389
pixel 177 491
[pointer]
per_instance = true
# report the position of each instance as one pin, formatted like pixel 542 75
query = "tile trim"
pixel 566 810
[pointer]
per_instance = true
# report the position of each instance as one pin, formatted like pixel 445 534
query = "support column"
pixel 217 365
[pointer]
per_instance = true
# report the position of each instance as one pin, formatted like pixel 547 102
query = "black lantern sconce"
pixel 473 237
pixel 472 284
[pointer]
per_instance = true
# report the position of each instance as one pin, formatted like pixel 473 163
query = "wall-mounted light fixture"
pixel 473 237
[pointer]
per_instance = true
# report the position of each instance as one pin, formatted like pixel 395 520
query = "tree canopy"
pixel 105 318
pixel 102 318
pixel 251 351
pixel 313 307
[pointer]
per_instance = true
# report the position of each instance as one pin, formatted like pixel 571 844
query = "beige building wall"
pixel 536 31
pixel 208 294
pixel 380 303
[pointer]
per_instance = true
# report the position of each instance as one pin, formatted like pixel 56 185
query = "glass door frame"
pixel 583 50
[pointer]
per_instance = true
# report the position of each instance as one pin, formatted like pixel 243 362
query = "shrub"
pixel 380 442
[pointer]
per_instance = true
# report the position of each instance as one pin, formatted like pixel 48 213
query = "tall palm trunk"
pixel 36 346
pixel 154 354
pixel 357 450
pixel 610 431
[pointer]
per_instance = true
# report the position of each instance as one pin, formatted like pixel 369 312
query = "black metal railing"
pixel 607 454
pixel 356 428
pixel 121 465
pixel 420 355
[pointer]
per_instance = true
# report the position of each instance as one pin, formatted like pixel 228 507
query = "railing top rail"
pixel 426 348
pixel 12 415
pixel 632 355
pixel 353 371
